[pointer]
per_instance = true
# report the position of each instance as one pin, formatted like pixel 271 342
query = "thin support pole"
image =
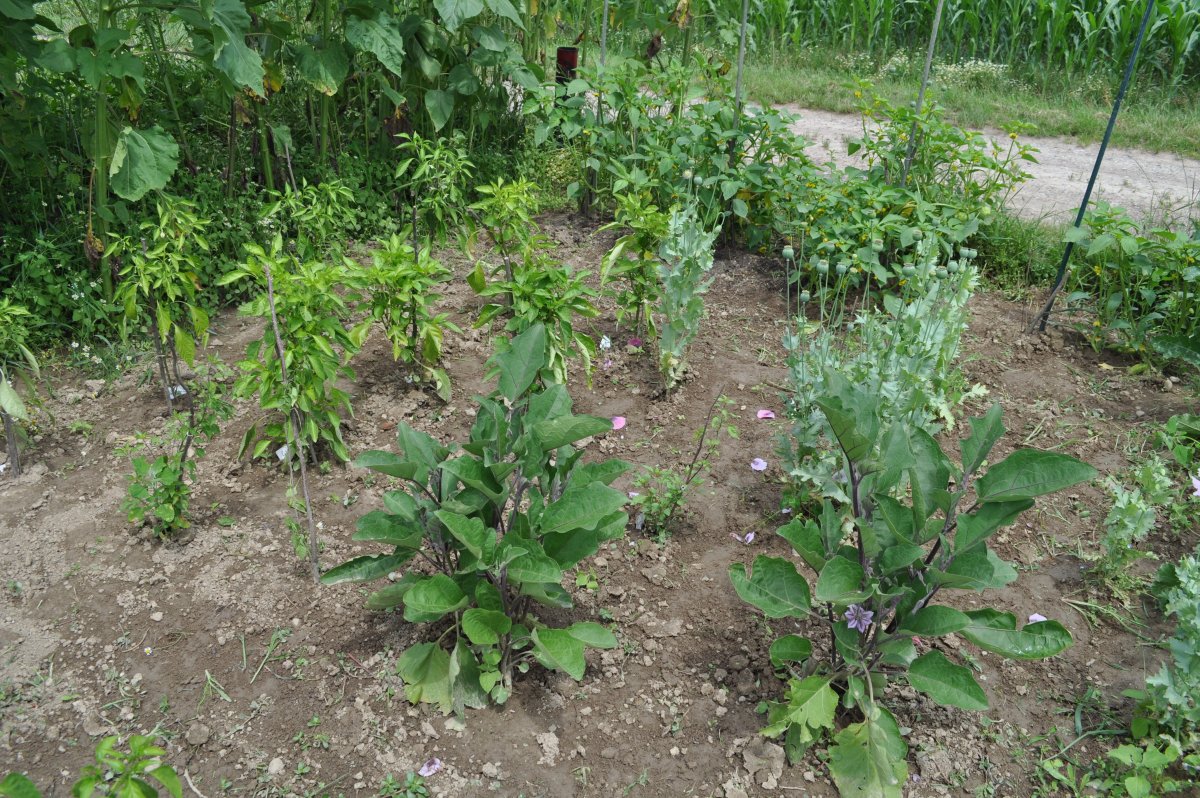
pixel 604 35
pixel 912 134
pixel 294 419
pixel 741 64
pixel 1044 316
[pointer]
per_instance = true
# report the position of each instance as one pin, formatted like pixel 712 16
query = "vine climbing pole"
pixel 1040 322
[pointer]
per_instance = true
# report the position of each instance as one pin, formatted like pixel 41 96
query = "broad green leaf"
pixel 325 68
pixel 476 279
pixel 10 401
pixel 1178 347
pixel 364 569
pixel 898 653
pixel 387 463
pixel 548 594
pixel 401 503
pixel 555 432
pixel 853 417
pixel 977 569
pixel 974 528
pixel 393 595
pixel 165 776
pixel 519 364
pixel 946 683
pixel 985 431
pixel 534 567
pixel 433 597
pixel 425 670
pixel 455 12
pixel 17 9
pixel 472 534
pixel 505 9
pixel 380 527
pixel 16 785
pixel 559 650
pixel 231 55
pixel 1029 473
pixel 790 648
pixel 775 587
pixel 593 635
pixel 581 507
pixel 809 704
pixel 997 632
pixel 472 472
pixel 805 538
pixel 462 80
pixel 604 472
pixel 841 582
pixel 867 759
pixel 440 105
pixel 485 627
pixel 143 161
pixel 379 35
pixel 934 621
pixel 420 447
pixel 465 687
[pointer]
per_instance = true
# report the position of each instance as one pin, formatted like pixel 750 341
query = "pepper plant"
pixel 634 257
pixel 402 282
pixel 916 524
pixel 482 534
pixel 312 301
pixel 159 281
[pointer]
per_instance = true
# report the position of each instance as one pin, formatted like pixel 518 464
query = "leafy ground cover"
pixel 262 684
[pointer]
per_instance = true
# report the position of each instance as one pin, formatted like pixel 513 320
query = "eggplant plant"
pixel 483 533
pixel 916 525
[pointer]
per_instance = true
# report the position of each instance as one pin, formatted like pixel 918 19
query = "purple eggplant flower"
pixel 859 618
pixel 1196 484
pixel 1037 617
pixel 430 767
pixel 758 464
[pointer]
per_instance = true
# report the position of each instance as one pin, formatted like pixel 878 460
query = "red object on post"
pixel 566 61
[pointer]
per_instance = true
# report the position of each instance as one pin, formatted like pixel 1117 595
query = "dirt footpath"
pixel 1154 186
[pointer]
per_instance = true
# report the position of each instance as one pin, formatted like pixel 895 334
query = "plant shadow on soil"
pixel 105 630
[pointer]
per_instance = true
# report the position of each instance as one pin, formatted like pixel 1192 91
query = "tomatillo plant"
pixel 880 563
pixel 484 532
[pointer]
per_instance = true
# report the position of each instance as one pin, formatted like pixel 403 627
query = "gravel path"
pixel 1155 186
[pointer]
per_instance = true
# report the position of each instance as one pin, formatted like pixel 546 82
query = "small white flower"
pixel 605 343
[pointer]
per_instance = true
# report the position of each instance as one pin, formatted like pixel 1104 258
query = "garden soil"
pixel 105 630
pixel 1159 187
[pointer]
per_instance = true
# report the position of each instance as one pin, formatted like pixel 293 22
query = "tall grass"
pixel 1073 36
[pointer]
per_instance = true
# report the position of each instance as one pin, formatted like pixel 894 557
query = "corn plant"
pixel 685 258
pixel 159 282
pixel 17 362
pixel 402 284
pixel 916 524
pixel 313 341
pixel 494 524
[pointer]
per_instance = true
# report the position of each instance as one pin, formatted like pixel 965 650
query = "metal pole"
pixel 912 135
pixel 1044 316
